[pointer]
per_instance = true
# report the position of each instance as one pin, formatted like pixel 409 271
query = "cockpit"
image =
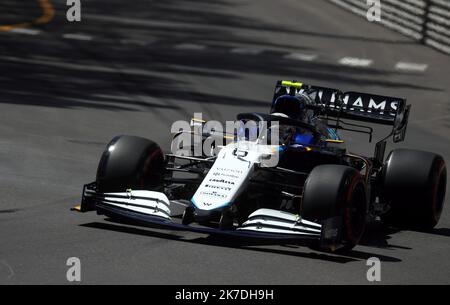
pixel 276 130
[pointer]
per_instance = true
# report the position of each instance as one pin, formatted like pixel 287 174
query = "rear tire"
pixel 130 162
pixel 337 191
pixel 414 183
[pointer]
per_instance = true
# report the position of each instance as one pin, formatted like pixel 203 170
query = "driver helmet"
pixel 295 107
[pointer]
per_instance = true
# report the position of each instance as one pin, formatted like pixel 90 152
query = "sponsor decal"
pixel 350 101
pixel 213 194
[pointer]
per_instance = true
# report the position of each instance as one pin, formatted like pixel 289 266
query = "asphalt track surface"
pixel 134 67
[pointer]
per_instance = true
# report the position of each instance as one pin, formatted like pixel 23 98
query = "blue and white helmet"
pixel 295 107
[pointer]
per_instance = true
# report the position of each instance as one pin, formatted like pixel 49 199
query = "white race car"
pixel 315 191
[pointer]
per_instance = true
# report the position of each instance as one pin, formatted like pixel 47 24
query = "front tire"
pixel 130 162
pixel 337 191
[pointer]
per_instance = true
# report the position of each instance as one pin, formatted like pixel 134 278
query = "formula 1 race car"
pixel 282 175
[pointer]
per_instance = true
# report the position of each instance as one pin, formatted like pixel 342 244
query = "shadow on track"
pixel 108 74
pixel 440 232
pixel 244 244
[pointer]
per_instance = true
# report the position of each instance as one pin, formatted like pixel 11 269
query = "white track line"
pixel 410 66
pixel 77 37
pixel 25 31
pixel 79 66
pixel 355 62
pixel 300 56
pixel 190 46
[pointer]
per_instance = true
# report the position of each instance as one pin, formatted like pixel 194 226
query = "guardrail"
pixel 427 21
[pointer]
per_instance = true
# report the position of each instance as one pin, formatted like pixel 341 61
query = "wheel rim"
pixel 355 214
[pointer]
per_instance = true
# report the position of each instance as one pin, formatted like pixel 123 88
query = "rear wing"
pixel 357 106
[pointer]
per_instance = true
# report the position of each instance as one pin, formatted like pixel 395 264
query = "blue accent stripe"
pixel 193 202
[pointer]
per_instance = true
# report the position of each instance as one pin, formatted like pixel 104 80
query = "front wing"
pixel 155 209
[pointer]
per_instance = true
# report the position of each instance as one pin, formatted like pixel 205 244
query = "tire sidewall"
pixel 352 232
pixel 130 162
pixel 411 186
pixel 333 197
